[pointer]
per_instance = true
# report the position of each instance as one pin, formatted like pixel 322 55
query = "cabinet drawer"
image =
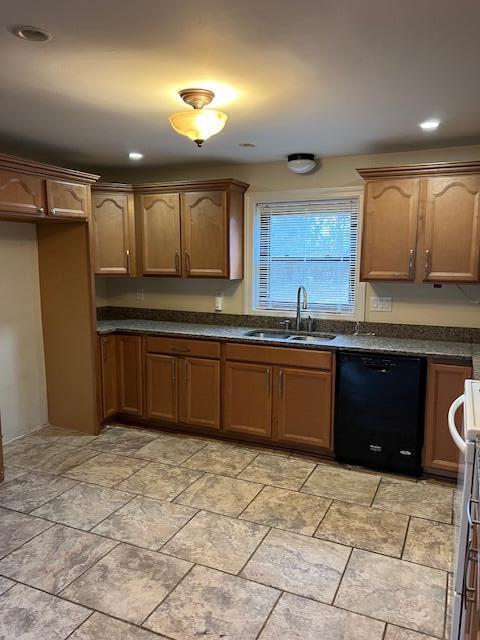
pixel 279 355
pixel 180 346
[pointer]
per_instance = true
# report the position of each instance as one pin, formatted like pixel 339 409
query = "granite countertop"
pixel 402 346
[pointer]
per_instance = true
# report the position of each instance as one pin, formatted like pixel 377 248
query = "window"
pixel 311 243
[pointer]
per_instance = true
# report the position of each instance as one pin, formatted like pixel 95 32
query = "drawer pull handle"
pixel 180 349
pixel 411 263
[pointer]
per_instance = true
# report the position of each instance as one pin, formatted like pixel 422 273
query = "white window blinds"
pixel 311 243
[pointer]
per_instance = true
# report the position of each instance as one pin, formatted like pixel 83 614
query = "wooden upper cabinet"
pixel 445 382
pixel 130 374
pixel 205 234
pixel 21 193
pixel 161 387
pixel 199 392
pixel 191 229
pixel 390 229
pixel 421 223
pixel 67 199
pixel 303 407
pixel 248 398
pixel 452 234
pixel 112 216
pixel 160 217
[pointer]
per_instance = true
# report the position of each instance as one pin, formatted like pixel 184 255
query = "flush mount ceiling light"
pixel 135 155
pixel 429 125
pixel 301 162
pixel 31 34
pixel 199 124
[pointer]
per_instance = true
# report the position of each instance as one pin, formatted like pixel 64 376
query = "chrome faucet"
pixel 298 321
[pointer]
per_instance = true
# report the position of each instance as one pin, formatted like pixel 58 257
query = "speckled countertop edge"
pixel 400 346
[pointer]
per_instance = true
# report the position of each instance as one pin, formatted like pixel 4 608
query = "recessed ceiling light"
pixel 31 34
pixel 134 155
pixel 248 145
pixel 429 125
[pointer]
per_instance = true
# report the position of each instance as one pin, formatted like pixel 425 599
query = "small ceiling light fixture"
pixel 199 124
pixel 301 162
pixel 429 125
pixel 31 34
pixel 134 155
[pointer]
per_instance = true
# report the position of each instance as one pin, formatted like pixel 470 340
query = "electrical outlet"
pixel 219 302
pixel 380 304
pixel 140 294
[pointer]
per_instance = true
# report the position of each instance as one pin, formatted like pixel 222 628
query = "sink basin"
pixel 314 338
pixel 268 333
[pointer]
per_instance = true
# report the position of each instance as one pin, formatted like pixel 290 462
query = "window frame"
pixel 252 199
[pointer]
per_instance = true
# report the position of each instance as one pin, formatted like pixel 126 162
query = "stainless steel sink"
pixel 268 333
pixel 313 338
pixel 307 337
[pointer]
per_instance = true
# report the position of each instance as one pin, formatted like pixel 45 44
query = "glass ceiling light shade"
pixel 199 124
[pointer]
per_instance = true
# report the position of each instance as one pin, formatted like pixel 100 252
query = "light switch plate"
pixel 380 304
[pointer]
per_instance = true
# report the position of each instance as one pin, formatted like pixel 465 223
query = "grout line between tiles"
pixel 280 594
pixel 79 625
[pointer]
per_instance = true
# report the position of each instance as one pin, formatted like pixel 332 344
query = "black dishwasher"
pixel 379 411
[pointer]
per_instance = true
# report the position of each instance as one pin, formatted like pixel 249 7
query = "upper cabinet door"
pixel 111 233
pixel 21 194
pixel 161 234
pixel 205 234
pixel 67 199
pixel 452 233
pixel 390 230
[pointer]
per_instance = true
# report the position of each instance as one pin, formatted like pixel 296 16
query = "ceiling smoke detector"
pixel 31 34
pixel 301 162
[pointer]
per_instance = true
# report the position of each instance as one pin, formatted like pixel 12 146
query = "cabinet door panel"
pixel 248 398
pixel 445 382
pixel 109 376
pixel 67 199
pixel 111 233
pixel 303 406
pixel 199 385
pixel 205 234
pixel 161 234
pixel 452 234
pixel 161 387
pixel 21 194
pixel 130 375
pixel 390 230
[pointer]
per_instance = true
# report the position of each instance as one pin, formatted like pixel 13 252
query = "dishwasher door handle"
pixel 378 368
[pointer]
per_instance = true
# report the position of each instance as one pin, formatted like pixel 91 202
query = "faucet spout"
pixel 298 321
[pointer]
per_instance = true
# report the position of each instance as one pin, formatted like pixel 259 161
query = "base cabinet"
pixel 130 375
pixel 303 407
pixel 248 398
pixel 445 382
pixel 109 376
pixel 161 387
pixel 199 392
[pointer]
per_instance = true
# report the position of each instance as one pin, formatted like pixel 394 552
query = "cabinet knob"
pixel 40 210
pixel 53 211
pixel 187 264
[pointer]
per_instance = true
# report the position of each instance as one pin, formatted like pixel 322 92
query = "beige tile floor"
pixel 140 534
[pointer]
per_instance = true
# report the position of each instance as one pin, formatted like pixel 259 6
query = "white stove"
pixel 466 584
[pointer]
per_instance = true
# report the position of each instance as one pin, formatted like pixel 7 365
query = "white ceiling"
pixel 325 76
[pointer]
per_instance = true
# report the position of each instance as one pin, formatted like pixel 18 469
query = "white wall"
pixel 412 303
pixel 23 396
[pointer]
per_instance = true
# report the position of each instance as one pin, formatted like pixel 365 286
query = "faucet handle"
pixel 286 324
